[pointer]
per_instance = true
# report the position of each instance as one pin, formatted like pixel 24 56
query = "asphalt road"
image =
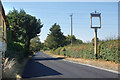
pixel 44 66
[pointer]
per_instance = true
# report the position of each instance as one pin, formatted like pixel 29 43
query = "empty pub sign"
pixel 95 20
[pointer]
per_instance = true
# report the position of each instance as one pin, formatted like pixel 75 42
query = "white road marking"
pixel 94 67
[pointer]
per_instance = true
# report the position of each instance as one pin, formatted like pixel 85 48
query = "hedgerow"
pixel 107 50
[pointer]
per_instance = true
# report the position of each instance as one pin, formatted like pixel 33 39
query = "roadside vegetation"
pixel 21 30
pixel 56 39
pixel 23 41
pixel 59 44
pixel 108 51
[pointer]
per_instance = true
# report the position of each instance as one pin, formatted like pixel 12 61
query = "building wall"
pixel 3 29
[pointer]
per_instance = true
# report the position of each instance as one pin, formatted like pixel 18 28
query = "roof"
pixel 95 14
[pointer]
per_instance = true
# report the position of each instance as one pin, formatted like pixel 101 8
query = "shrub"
pixel 107 50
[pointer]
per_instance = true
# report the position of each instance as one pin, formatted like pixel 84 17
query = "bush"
pixel 107 50
pixel 19 56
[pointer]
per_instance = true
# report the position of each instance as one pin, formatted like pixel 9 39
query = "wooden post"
pixel 95 42
pixel 91 21
pixel 95 14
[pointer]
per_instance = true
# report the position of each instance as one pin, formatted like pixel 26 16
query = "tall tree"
pixel 55 38
pixel 24 26
pixel 74 40
pixel 35 44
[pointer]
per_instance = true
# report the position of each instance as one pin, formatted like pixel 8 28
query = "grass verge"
pixel 98 63
pixel 13 69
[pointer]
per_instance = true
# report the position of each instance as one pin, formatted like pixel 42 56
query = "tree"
pixel 68 39
pixel 55 38
pixel 74 40
pixel 78 41
pixel 35 44
pixel 24 27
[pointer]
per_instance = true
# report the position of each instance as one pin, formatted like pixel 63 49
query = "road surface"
pixel 44 66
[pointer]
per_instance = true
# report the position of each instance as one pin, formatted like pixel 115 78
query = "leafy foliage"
pixel 55 38
pixel 35 44
pixel 23 26
pixel 74 40
pixel 108 50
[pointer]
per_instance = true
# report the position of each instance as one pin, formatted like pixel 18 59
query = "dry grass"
pixel 13 69
pixel 9 68
pixel 98 63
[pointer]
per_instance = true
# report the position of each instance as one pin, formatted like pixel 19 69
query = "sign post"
pixel 98 26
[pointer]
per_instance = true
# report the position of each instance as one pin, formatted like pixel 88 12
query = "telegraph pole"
pixel 71 27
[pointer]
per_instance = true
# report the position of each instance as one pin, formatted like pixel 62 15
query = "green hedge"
pixel 107 50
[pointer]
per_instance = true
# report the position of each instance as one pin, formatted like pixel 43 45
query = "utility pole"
pixel 71 27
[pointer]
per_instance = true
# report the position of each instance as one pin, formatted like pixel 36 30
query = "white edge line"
pixel 94 67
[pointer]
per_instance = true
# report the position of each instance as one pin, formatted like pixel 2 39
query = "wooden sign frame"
pixel 96 15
